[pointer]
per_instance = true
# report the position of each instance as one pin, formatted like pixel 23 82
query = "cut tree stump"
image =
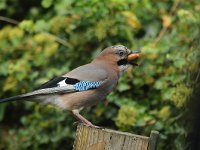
pixel 88 138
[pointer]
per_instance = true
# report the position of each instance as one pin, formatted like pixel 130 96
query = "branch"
pixel 165 28
pixel 9 20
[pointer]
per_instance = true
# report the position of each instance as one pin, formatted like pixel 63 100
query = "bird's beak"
pixel 133 55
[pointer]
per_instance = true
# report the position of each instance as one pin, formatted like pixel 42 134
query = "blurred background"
pixel 43 39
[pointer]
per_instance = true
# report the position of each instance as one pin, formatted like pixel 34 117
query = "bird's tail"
pixel 40 92
pixel 15 98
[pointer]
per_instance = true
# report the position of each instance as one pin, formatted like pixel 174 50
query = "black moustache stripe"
pixel 122 62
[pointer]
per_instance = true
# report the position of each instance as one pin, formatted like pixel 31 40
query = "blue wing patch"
pixel 78 85
pixel 85 85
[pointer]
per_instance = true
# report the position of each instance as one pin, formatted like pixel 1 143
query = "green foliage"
pixel 54 37
pixel 181 94
pixel 126 117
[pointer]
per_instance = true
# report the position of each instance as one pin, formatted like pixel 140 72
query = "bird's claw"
pixel 93 126
pixel 97 127
pixel 87 124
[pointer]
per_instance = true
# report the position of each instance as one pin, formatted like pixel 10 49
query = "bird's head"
pixel 119 56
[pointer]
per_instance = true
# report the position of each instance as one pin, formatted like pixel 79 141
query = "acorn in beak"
pixel 133 55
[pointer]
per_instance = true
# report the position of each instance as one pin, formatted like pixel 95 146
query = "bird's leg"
pixel 82 119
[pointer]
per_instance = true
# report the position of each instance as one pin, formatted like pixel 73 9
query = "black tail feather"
pixel 14 98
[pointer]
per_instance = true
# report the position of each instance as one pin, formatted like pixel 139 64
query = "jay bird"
pixel 86 85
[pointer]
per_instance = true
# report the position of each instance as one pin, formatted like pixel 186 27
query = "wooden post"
pixel 153 140
pixel 88 138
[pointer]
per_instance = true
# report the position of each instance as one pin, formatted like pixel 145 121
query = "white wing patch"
pixel 62 83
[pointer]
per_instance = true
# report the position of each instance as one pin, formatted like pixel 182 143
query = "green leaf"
pixel 46 3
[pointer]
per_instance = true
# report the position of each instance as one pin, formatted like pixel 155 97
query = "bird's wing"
pixel 83 78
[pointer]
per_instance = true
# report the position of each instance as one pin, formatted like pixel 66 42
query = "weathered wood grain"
pixel 88 138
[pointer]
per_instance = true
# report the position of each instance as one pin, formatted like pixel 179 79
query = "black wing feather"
pixel 51 83
pixel 54 82
pixel 71 81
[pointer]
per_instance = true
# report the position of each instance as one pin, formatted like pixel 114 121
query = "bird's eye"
pixel 121 53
